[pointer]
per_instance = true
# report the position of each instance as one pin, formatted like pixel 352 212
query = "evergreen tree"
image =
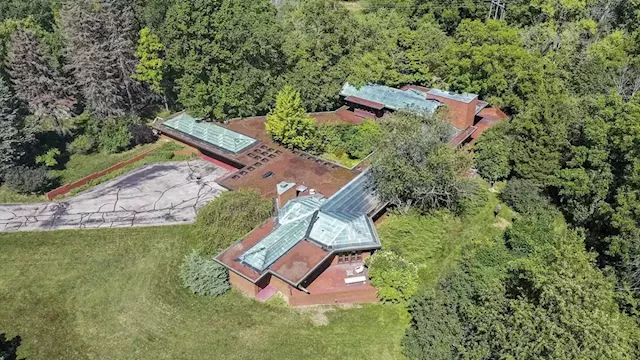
pixel 101 54
pixel 35 81
pixel 11 136
pixel 288 123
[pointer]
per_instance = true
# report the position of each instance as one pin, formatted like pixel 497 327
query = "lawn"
pixel 115 294
pixel 435 242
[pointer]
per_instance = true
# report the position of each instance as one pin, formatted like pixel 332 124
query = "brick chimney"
pixel 286 191
pixel 461 107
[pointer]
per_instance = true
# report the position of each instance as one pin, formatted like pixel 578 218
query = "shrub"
pixel 49 158
pixel 288 122
pixel 203 275
pixel 28 180
pixel 115 136
pixel 142 134
pixel 229 218
pixel 524 196
pixel 395 277
pixel 83 144
pixel 476 198
pixel 364 139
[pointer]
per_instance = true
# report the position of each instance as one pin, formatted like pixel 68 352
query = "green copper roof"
pixel 215 135
pixel 394 99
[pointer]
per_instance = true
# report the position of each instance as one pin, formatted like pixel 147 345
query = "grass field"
pixel 115 294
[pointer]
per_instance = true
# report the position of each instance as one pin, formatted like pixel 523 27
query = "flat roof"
pixel 299 261
pixel 218 136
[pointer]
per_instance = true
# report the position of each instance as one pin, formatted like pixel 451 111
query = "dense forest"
pixel 564 280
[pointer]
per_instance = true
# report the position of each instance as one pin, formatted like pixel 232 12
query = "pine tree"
pixel 35 81
pixel 11 136
pixel 101 54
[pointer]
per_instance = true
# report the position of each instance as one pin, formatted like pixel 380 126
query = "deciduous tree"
pixel 288 122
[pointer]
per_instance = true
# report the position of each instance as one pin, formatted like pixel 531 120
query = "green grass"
pixel 115 294
pixel 343 160
pixel 80 166
pixel 435 242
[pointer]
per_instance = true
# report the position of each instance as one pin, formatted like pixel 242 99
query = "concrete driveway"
pixel 157 194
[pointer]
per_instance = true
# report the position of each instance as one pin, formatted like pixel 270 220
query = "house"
pixel 469 115
pixel 313 250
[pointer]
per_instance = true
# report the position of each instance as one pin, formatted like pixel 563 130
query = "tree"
pixel 490 60
pixel 151 66
pixel 414 166
pixel 320 38
pixel 226 55
pixel 533 295
pixel 288 122
pixel 36 82
pixel 395 278
pixel 12 137
pixel 101 55
pixel 9 348
pixel 492 155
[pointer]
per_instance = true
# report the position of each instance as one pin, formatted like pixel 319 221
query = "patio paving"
pixel 157 194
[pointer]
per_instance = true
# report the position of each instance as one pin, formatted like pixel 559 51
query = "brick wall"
pixel 344 297
pixel 76 184
pixel 243 285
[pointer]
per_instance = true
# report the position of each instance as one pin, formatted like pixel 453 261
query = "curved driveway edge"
pixel 157 194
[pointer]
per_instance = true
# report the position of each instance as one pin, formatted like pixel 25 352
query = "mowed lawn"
pixel 115 294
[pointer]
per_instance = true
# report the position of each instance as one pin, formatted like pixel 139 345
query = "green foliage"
pixel 489 59
pixel 150 67
pixel 28 180
pixel 49 159
pixel 82 144
pixel 395 278
pixel 9 347
pixel 524 196
pixel 115 136
pixel 204 276
pixel 229 218
pixel 230 70
pixel 365 139
pixel 539 297
pixel 320 37
pixel 414 166
pixel 288 122
pixel 492 154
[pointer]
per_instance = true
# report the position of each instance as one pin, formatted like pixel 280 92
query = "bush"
pixel 364 139
pixel 395 277
pixel 49 158
pixel 28 180
pixel 203 275
pixel 524 196
pixel 115 136
pixel 224 221
pixel 83 144
pixel 475 199
pixel 142 134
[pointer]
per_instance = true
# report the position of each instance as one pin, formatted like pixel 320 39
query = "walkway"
pixel 157 194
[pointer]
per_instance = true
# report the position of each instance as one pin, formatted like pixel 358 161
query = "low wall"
pixel 76 184
pixel 342 297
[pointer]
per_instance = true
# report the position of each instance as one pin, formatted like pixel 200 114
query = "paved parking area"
pixel 157 194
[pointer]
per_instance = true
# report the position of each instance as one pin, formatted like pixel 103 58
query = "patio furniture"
pixel 355 280
pixel 349 272
pixel 359 269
